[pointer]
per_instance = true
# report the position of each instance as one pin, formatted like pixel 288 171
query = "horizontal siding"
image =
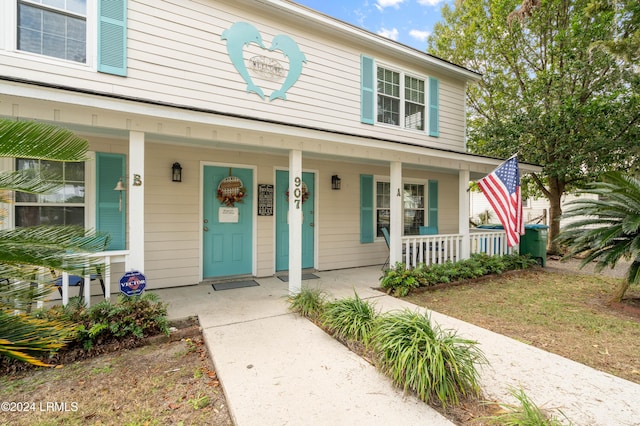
pixel 172 215
pixel 176 55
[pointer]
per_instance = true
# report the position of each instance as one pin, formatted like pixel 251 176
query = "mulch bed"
pixel 180 329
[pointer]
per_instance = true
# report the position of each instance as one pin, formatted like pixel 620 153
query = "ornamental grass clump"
pixel 423 358
pixel 310 302
pixel 350 319
pixel 526 413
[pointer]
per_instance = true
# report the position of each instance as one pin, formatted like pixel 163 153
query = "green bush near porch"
pixel 134 317
pixel 398 280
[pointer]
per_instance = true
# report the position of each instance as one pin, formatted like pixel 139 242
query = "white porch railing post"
pixel 463 212
pixel 395 217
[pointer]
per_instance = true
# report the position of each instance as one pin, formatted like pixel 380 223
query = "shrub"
pixel 351 318
pixel 399 280
pixel 519 261
pixel 308 303
pixel 425 359
pixel 136 317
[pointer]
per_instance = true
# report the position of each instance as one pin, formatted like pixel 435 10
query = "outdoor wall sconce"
pixel 176 172
pixel 120 188
pixel 335 182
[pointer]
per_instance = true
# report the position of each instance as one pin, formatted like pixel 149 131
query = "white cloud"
pixel 392 34
pixel 419 34
pixel 381 4
pixel 429 2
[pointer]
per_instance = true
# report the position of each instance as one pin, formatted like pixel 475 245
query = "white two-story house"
pixel 238 137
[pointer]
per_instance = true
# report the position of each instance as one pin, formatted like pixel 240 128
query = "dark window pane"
pixel 74 216
pixel 382 221
pixel 52 169
pixel 23 197
pixel 413 219
pixel 27 216
pixel 74 172
pixel 52 215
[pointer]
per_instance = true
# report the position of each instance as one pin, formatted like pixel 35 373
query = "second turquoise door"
pixel 282 225
pixel 228 245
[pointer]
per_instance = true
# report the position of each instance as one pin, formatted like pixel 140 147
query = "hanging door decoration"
pixel 231 190
pixel 305 192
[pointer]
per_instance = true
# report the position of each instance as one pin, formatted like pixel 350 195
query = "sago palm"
pixel 27 255
pixel 607 229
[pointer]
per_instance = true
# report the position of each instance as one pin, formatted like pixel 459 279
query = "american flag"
pixel 502 189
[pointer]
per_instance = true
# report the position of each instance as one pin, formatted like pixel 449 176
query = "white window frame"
pixel 403 100
pixel 387 180
pixel 89 193
pixel 9 37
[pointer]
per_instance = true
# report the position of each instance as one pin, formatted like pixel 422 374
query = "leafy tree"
pixel 545 92
pixel 607 229
pixel 624 42
pixel 28 255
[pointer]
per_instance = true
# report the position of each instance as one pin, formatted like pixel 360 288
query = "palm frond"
pixel 24 337
pixel 62 248
pixel 26 139
pixel 607 229
pixel 28 181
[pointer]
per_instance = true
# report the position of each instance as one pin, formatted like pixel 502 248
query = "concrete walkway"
pixel 277 368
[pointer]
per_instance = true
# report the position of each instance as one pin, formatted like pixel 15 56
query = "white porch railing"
pixel 493 243
pixel 430 249
pixel 106 259
pixel 441 248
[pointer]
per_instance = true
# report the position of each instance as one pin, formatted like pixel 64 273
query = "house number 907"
pixel 297 192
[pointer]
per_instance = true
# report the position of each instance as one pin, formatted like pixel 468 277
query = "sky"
pixel 407 21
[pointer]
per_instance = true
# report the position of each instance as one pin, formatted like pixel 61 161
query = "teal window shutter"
pixel 367 90
pixel 366 209
pixel 433 204
pixel 434 107
pixel 110 219
pixel 112 36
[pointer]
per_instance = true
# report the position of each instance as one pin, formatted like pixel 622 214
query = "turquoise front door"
pixel 227 231
pixel 282 225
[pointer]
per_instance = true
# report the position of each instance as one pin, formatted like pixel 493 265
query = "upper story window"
pixel 56 28
pixel 400 99
pixel 65 206
pixel 393 97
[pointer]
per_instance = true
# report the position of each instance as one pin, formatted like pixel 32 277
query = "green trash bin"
pixel 534 242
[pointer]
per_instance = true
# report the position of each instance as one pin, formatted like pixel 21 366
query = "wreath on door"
pixel 305 193
pixel 231 190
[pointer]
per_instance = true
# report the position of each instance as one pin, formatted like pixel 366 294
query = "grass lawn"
pixel 564 313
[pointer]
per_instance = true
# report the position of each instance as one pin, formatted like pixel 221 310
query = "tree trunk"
pixel 556 190
pixel 621 290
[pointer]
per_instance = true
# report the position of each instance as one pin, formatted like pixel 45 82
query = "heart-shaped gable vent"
pixel 260 66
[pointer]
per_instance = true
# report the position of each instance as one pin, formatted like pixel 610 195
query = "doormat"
pixel 285 278
pixel 234 284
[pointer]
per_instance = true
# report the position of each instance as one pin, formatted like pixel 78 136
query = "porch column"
pixel 135 211
pixel 396 219
pixel 463 213
pixel 295 221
